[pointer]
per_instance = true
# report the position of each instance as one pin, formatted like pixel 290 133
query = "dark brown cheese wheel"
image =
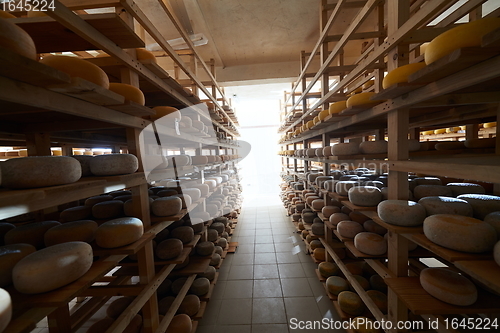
pixel 84 164
pixel 209 273
pixel 114 164
pixel 119 305
pixel 200 286
pixel 83 231
pixel 75 214
pixel 99 198
pixel 166 206
pixel 190 305
pixel 180 324
pixel 40 171
pixel 215 261
pixel 32 233
pixel 169 249
pixel 107 209
pixel 10 255
pixel 165 288
pixel 164 304
pixel 119 232
pixel 4 228
pixel 184 233
pixel 205 248
pixel 177 285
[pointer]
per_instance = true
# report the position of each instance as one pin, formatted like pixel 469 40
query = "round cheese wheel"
pixel 14 38
pixel 75 214
pixel 186 200
pixel 143 54
pixel 4 14
pixel 342 187
pixel 119 232
pixel 349 229
pixel 440 131
pixel 5 309
pixel 413 145
pixel 166 206
pixel 209 273
pixel 335 218
pixel 318 204
pixel 480 143
pixel 204 188
pixel 466 35
pixel 361 281
pixel 496 253
pixel 84 164
pixel 76 67
pixel 351 303
pixel 422 191
pixel 337 107
pixel 342 149
pixel 482 204
pixel 380 300
pixel 169 249
pixel 494 220
pixel 361 99
pixel 81 231
pixel 32 233
pixel 216 259
pixel 373 147
pixel 167 114
pixel 107 209
pixel 445 205
pixel 319 152
pixel 164 304
pixel 372 226
pixel 448 286
pixel 367 196
pixel 100 198
pixel 200 286
pixel 190 305
pixel 428 132
pixel 319 254
pixel 119 305
pixel 52 267
pixel 180 324
pixel 184 233
pixel 427 181
pixel 318 229
pixel 40 171
pixel 465 188
pixel 128 91
pixel 327 211
pixel 114 164
pixel 401 74
pixel 401 212
pixel 205 248
pixel 460 233
pixel 370 243
pixel 10 255
pixel 335 285
pixel 327 269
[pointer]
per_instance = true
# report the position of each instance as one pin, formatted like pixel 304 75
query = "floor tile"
pixel 267 288
pixel 283 247
pixel 270 328
pixel 246 240
pixel 287 258
pixel 238 289
pixel 245 248
pixel 264 239
pixel 240 272
pixel 302 308
pixel 268 311
pixel 316 287
pixel 265 272
pixel 219 290
pixel 206 329
pixel 242 259
pixel 211 313
pixel 233 329
pixel 265 258
pixel 283 238
pixel 224 272
pixel 264 248
pixel 235 312
pixel 293 270
pixel 310 269
pixel 296 287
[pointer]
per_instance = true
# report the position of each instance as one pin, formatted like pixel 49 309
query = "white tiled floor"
pixel 269 280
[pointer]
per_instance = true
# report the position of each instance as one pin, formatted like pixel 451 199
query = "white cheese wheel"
pixel 367 196
pixel 465 188
pixel 75 214
pixel 342 187
pixel 10 255
pixel 482 204
pixel 329 185
pixel 496 253
pixel 401 212
pixel 335 218
pixel 446 205
pixel 460 233
pixel 107 209
pixel 84 164
pixel 349 229
pixel 448 286
pixel 342 149
pixel 321 180
pixel 31 233
pixel 422 191
pixel 166 206
pixel 373 147
pixel 370 243
pixel 494 220
pixel 52 267
pixel 204 189
pixel 114 164
pixel 119 232
pixel 39 171
pixel 76 231
pixel 169 249
pixel 212 184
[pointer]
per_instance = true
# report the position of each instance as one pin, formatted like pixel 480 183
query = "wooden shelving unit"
pixel 456 90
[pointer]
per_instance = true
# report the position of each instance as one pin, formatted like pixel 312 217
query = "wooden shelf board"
pixel 342 238
pixel 356 208
pixel 420 302
pixel 394 228
pixel 395 90
pixel 196 266
pixel 26 321
pixel 452 63
pixel 447 254
pixel 88 91
pixel 133 109
pixel 51 36
pixel 232 246
pixel 194 327
pixel 357 109
pixel 337 197
pixel 487 272
pixel 127 249
pixel 19 68
pixel 193 243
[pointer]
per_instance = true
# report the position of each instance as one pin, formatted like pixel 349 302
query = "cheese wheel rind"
pixel 128 91
pixel 16 39
pixel 448 286
pixel 460 233
pixel 39 171
pixel 401 212
pixel 119 232
pixel 114 164
pixel 52 267
pixel 81 231
pixel 32 233
pixel 482 204
pixel 370 243
pixel 76 67
pixel 445 205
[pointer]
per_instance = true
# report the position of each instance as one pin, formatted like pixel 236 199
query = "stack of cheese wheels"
pixel 40 171
pixel 114 164
pixel 362 99
pixel 129 92
pixel 401 74
pixel 52 267
pixel 460 233
pixel 466 35
pixel 76 67
pixel 448 286
pixel 342 149
pixel 119 232
pixel 401 212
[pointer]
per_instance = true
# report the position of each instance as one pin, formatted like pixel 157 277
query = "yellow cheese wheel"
pixel 143 54
pixel 452 129
pixel 467 35
pixel 52 267
pixel 309 124
pixel 368 84
pixel 427 132
pixel 10 255
pixel 357 90
pixel 337 107
pixel 490 125
pixel 76 67
pixel 323 114
pixel 119 232
pixel 401 74
pixel 448 286
pixel 361 99
pixel 351 303
pixel 440 131
pixel 316 120
pixel 423 48
pixel 16 39
pixel 128 91
pixel 4 14
pixel 82 231
pixel 5 309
